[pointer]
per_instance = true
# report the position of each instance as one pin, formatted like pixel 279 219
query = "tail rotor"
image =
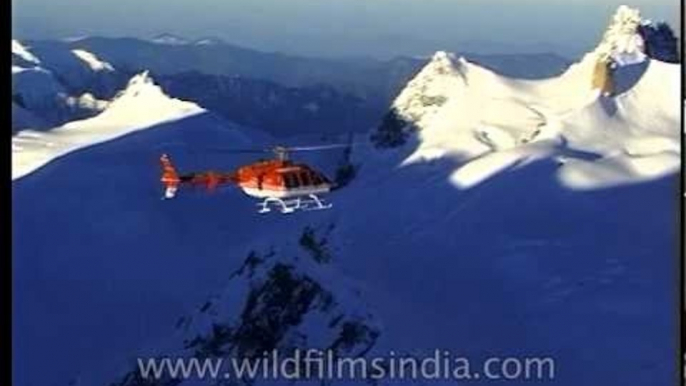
pixel 170 178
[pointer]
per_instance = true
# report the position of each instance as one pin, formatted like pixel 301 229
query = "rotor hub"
pixel 281 153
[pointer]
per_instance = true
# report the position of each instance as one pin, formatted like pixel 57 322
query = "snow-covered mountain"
pixel 488 216
pixel 75 75
pixel 77 69
pixel 59 85
pixel 277 92
pixel 630 37
pixel 371 79
pixel 219 58
pixel 289 299
pixel 455 106
pixel 141 104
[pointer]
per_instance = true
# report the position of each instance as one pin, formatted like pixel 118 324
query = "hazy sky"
pixel 343 27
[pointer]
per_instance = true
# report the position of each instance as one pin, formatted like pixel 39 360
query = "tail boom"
pixel 172 180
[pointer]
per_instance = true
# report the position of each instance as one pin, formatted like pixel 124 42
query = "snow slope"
pixel 23 53
pixel 639 138
pixel 481 114
pixel 140 105
pixel 93 61
pixel 626 125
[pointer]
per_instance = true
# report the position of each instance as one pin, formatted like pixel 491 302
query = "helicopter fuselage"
pixel 281 179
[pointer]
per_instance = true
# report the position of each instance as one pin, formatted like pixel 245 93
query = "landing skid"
pixel 311 202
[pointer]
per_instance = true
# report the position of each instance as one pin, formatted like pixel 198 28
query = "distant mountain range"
pixel 55 81
pixel 278 92
pixel 277 109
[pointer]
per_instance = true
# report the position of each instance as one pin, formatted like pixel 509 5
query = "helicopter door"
pixel 291 180
pixel 305 179
pixel 260 181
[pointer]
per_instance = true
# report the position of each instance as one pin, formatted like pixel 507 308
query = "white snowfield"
pixel 141 105
pixel 93 61
pixel 460 108
pixel 21 51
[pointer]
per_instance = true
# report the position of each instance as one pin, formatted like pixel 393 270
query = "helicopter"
pixel 280 183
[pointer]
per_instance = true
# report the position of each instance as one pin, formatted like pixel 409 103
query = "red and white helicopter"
pixel 280 183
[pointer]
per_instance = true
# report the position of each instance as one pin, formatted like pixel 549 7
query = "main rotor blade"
pixel 320 147
pixel 273 149
pixel 234 151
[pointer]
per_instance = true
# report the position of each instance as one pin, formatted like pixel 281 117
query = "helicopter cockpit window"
pixel 305 178
pixel 291 180
pixel 317 179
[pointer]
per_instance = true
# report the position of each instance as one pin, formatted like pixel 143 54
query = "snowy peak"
pixel 277 302
pixel 142 104
pixel 442 78
pixel 141 85
pixel 630 39
pixel 432 85
pixel 621 42
pixel 140 80
pixel 143 100
pixel 455 107
pixel 444 63
pixel 169 39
